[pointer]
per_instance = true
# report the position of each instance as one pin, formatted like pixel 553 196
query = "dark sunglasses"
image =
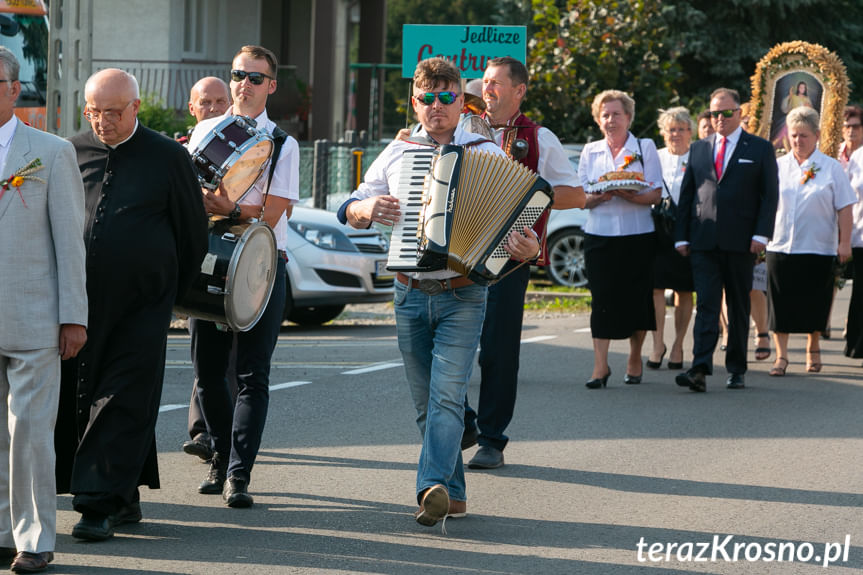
pixel 723 113
pixel 256 78
pixel 445 98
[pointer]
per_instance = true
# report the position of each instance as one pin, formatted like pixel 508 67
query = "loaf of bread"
pixel 621 175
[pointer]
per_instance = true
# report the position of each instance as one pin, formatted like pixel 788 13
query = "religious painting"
pixel 799 74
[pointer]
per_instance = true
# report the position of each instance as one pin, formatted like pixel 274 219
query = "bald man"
pixel 146 235
pixel 208 98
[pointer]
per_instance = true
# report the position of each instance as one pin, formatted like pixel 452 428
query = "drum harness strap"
pixel 279 137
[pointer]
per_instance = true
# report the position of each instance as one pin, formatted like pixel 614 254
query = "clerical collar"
pixel 135 129
pixel 7 131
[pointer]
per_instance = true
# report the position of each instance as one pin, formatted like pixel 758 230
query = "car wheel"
pixel 566 258
pixel 316 315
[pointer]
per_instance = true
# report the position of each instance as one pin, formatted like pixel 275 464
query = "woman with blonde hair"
pixel 619 241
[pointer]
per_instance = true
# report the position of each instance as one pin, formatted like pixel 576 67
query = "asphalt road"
pixel 594 480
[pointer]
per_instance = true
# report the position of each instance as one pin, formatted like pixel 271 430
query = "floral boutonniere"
pixel 682 166
pixel 629 160
pixel 17 178
pixel 809 174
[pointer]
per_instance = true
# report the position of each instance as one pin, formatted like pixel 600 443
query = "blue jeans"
pixel 236 427
pixel 438 337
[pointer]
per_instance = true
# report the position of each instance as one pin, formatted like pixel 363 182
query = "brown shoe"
pixel 434 505
pixel 26 562
pixel 457 509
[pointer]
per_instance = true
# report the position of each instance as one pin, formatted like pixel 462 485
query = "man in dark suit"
pixel 725 217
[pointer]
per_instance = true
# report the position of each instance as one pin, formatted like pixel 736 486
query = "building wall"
pixel 132 29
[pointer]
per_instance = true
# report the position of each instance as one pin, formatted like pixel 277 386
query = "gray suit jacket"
pixel 42 257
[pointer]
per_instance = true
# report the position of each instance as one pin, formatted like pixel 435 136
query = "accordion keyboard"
pixel 403 242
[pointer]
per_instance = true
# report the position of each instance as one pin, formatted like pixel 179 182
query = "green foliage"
pixel 586 46
pixel 156 116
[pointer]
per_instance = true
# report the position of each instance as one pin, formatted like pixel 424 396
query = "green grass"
pixel 565 304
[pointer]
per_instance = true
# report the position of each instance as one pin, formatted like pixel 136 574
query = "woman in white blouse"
pixel 814 197
pixel 854 323
pixel 619 242
pixel 672 270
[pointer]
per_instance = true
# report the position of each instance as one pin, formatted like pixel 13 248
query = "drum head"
pixel 244 172
pixel 250 277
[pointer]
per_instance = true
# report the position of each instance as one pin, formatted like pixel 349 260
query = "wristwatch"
pixel 236 212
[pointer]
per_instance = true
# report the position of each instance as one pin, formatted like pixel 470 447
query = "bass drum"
pixel 234 155
pixel 236 278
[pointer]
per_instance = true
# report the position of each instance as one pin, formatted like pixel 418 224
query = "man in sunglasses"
pixel 504 86
pixel 438 314
pixel 725 217
pixel 236 427
pixel 146 234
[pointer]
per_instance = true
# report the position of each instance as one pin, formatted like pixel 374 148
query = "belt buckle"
pixel 430 287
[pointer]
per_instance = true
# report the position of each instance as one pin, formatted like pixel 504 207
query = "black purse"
pixel 664 215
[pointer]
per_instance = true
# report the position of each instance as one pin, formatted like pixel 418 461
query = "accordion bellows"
pixel 471 202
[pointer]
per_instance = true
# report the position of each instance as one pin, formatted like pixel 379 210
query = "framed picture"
pixel 799 74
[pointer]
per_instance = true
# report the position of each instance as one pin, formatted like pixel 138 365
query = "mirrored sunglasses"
pixel 428 98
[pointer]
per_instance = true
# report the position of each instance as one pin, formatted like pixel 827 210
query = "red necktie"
pixel 720 158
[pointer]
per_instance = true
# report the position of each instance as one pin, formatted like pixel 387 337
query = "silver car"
pixel 331 265
pixel 566 238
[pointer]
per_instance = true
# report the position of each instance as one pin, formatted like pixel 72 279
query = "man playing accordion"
pixel 439 314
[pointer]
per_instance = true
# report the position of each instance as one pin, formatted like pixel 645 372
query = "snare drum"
pixel 233 154
pixel 236 278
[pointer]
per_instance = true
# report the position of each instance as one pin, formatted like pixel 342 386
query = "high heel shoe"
pixel 813 365
pixel 656 364
pixel 598 382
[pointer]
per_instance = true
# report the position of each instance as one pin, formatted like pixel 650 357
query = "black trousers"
pixel 712 270
pixel 500 344
pixel 236 427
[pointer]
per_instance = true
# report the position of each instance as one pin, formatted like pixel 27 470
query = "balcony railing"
pixel 169 80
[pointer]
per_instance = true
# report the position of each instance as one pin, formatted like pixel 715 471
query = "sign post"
pixel 468 47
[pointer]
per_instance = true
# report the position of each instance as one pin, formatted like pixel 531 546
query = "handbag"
pixel 664 215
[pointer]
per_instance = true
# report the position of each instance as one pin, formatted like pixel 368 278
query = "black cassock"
pixel 146 234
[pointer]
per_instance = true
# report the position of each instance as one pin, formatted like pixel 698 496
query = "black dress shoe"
pixel 486 457
pixel 599 382
pixel 127 514
pixel 236 493
pixel 675 365
pixel 93 527
pixel 657 364
pixel 735 381
pixel 694 380
pixel 27 562
pixel 8 553
pixel 469 438
pixel 199 446
pixel 631 379
pixel 215 480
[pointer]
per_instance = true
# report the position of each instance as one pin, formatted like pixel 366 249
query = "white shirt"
pixel 617 217
pixel 855 174
pixel 382 177
pixel 673 168
pixel 286 177
pixel 553 164
pixel 806 220
pixel 730 143
pixel 7 132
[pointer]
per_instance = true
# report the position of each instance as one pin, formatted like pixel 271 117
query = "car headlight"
pixel 323 236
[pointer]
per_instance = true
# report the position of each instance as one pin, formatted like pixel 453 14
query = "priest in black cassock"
pixel 146 235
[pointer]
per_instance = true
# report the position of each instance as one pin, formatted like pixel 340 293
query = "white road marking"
pixel 172 407
pixel 581 330
pixel 371 368
pixel 538 338
pixel 288 384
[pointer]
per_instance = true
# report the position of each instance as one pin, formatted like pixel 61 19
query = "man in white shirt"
pixel 439 314
pixel 504 88
pixel 236 429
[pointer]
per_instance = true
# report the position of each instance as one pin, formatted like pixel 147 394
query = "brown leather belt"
pixel 432 286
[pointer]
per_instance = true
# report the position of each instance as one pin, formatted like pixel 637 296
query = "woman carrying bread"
pixel 618 242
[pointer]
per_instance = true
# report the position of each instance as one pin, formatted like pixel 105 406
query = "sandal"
pixel 762 353
pixel 813 366
pixel 777 370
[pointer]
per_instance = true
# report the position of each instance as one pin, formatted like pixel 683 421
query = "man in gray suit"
pixel 43 317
